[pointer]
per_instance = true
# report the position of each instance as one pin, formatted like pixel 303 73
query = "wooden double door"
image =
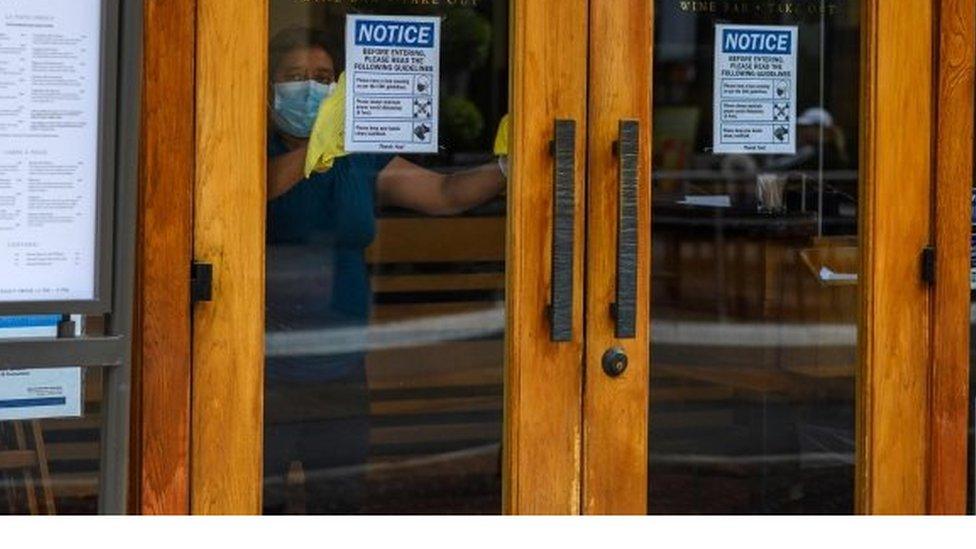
pixel 668 305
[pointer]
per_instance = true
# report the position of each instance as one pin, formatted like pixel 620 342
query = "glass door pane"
pixel 755 255
pixel 51 427
pixel 971 443
pixel 385 272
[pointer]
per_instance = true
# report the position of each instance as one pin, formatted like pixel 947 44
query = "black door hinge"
pixel 201 282
pixel 928 265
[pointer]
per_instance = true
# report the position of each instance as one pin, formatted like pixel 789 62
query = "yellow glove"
pixel 501 138
pixel 327 141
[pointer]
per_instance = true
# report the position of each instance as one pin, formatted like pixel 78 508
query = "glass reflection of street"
pixel 754 307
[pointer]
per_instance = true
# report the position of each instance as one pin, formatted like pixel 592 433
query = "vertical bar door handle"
pixel 563 230
pixel 625 309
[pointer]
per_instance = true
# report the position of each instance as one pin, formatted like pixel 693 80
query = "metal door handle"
pixel 563 148
pixel 625 308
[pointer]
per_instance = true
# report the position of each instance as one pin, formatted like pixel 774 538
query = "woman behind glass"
pixel 316 408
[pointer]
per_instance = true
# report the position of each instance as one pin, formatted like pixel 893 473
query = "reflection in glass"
pixel 385 283
pixel 754 277
pixel 51 466
pixel 971 479
pixel 971 483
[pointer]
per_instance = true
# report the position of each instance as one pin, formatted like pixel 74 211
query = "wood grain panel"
pixel 160 473
pixel 543 379
pixel 896 199
pixel 228 335
pixel 954 176
pixel 615 409
pixel 436 365
pixel 88 451
pixel 411 434
pixel 434 283
pixel 17 459
pixel 421 239
pixel 435 406
pixel 382 314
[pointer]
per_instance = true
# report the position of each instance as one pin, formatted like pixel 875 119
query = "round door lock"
pixel 614 362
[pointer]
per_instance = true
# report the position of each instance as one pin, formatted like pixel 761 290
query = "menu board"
pixel 49 135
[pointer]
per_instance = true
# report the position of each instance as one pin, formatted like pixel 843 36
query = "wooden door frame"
pixel 228 332
pixel 160 478
pixel 917 165
pixel 543 380
pixel 916 161
pixel 917 179
pixel 894 321
pixel 199 450
pixel 200 111
pixel 159 481
pixel 615 409
pixel 949 417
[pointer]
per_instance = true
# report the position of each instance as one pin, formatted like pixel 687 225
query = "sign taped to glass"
pixel 393 76
pixel 755 89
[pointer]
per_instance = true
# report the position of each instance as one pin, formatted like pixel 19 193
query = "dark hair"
pixel 297 37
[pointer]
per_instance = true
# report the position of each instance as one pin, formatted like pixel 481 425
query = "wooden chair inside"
pixel 24 469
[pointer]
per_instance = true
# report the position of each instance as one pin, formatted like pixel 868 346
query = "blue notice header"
pixel 750 41
pixel 387 33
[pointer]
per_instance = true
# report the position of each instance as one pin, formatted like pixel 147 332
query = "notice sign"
pixel 392 83
pixel 37 394
pixel 755 89
pixel 49 99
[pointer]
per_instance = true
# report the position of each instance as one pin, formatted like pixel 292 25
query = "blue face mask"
pixel 296 105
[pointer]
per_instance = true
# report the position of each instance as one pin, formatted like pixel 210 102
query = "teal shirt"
pixel 317 234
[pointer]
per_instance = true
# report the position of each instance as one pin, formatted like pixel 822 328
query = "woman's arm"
pixel 285 171
pixel 407 185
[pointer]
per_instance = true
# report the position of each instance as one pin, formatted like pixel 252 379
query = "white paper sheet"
pixel 42 393
pixel 49 105
pixel 755 89
pixel 392 84
pixel 709 200
pixel 828 275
